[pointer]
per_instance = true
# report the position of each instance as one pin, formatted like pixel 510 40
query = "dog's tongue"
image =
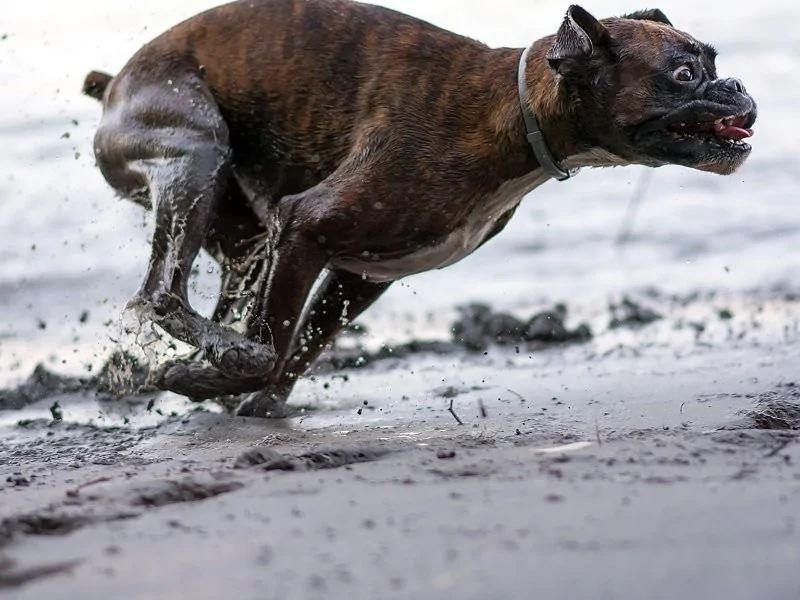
pixel 729 132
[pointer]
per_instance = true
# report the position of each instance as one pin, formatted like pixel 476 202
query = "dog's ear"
pixel 579 38
pixel 650 14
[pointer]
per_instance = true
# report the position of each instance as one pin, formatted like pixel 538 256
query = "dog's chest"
pixel 460 242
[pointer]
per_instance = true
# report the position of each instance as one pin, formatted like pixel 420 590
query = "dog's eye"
pixel 683 73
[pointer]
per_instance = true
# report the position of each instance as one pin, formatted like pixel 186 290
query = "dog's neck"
pixel 548 101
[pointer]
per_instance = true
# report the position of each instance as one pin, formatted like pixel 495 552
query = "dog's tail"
pixel 96 83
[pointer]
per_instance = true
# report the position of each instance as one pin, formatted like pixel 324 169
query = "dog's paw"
pixel 267 404
pixel 194 380
pixel 242 358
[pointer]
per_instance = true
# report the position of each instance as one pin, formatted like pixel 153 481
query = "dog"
pixel 346 145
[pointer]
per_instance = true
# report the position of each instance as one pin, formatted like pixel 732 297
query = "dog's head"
pixel 649 93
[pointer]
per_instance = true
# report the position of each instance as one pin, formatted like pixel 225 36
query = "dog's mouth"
pixel 730 130
pixel 702 135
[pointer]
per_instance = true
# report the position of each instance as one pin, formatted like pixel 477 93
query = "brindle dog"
pixel 292 138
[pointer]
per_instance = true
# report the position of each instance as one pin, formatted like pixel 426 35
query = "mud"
pixel 477 328
pixel 199 498
pixel 92 503
pixel 776 409
pixel 11 577
pixel 121 375
pixel 631 313
pixel 656 457
pixel 481 498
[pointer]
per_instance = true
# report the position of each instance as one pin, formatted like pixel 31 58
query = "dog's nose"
pixel 733 85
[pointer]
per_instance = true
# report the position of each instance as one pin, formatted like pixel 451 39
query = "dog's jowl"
pixel 296 138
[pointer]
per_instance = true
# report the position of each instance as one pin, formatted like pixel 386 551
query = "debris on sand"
pixel 629 313
pixel 257 456
pixel 121 375
pixel 725 314
pixel 548 327
pixel 478 327
pixel 114 503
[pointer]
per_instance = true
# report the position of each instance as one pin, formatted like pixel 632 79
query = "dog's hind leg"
pixel 296 260
pixel 238 241
pixel 171 139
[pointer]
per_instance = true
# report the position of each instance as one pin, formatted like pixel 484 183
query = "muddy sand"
pixel 651 454
pixel 522 457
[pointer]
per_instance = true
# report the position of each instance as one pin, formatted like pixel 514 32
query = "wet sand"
pixel 648 451
pixel 664 464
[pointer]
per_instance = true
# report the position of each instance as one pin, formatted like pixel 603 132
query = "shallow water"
pixel 71 254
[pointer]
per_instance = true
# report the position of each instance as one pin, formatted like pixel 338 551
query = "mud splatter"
pixel 778 409
pixel 477 328
pixel 121 375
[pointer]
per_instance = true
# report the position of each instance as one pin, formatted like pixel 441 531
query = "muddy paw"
pixel 267 404
pixel 242 359
pixel 195 380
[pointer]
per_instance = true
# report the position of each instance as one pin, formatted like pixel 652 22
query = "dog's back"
pixel 301 81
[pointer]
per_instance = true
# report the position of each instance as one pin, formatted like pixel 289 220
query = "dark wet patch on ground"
pixel 102 501
pixel 268 459
pixel 165 492
pixel 13 577
pixel 477 328
pixel 768 442
pixel 42 523
pixel 628 313
pixel 72 446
